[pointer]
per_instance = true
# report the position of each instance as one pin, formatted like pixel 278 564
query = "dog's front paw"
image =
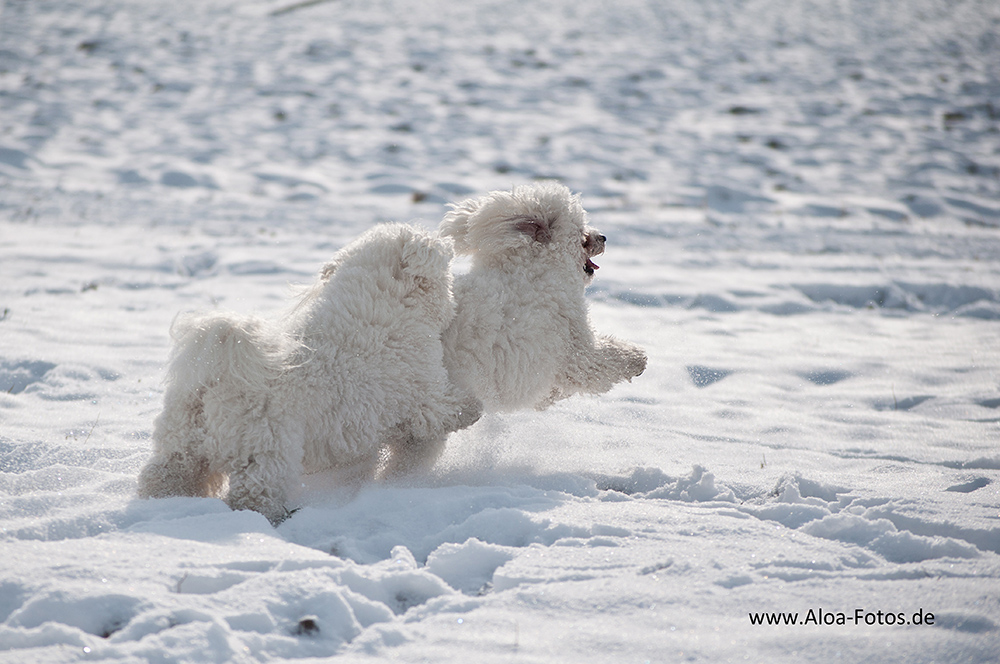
pixel 635 362
pixel 470 412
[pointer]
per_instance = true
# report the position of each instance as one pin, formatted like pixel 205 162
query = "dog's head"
pixel 534 219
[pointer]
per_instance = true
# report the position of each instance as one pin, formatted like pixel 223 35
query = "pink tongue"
pixel 592 265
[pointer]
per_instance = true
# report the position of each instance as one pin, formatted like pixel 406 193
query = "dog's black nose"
pixel 603 238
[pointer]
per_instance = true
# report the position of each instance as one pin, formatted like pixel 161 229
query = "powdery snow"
pixel 802 201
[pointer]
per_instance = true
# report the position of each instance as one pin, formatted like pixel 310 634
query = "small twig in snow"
pixel 92 428
pixel 297 5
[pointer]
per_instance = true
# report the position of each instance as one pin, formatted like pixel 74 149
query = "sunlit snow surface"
pixel 802 201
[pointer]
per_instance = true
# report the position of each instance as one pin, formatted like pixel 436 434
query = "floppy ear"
pixel 456 224
pixel 534 227
pixel 425 257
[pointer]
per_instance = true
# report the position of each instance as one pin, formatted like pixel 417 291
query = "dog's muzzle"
pixel 593 245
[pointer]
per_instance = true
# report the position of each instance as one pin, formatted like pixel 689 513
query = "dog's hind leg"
pixel 260 480
pixel 179 474
pixel 261 485
pixel 178 467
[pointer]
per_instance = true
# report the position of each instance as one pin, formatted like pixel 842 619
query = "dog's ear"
pixel 424 259
pixel 536 228
pixel 328 269
pixel 456 224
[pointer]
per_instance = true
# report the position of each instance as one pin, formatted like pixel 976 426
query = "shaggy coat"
pixel 522 335
pixel 354 373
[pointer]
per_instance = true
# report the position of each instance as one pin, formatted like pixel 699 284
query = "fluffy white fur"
pixel 355 371
pixel 522 335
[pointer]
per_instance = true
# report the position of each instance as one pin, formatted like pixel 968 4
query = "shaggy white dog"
pixel 354 371
pixel 522 335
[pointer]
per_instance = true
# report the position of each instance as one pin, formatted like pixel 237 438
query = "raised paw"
pixel 635 362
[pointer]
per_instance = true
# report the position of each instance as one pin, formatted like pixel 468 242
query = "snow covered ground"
pixel 802 201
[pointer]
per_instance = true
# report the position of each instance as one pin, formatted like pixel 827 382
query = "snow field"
pixel 801 201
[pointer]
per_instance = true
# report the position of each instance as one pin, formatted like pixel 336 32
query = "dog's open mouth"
pixel 589 267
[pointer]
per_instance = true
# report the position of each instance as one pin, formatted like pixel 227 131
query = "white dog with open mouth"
pixel 522 335
pixel 353 372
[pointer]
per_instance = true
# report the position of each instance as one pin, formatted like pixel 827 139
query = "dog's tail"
pixel 210 349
